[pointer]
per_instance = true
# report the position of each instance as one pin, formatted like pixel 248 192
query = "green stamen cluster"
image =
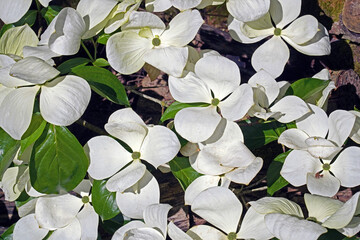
pixel 326 166
pixel 215 102
pixel 135 155
pixel 156 41
pixel 85 199
pixel 232 236
pixel 277 32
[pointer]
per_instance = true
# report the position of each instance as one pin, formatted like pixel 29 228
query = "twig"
pixel 255 190
pixel 256 183
pixel 91 127
pixel 87 51
pixel 161 103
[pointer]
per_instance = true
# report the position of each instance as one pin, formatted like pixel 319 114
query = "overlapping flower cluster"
pixel 214 141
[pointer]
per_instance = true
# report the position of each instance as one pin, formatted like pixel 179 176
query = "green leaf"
pixel 104 83
pixel 8 150
pixel 6 27
pixel 50 13
pixel 101 62
pixel 257 134
pixel 58 162
pixel 34 131
pixel 307 88
pixel 182 170
pixel 332 234
pixel 103 201
pixel 113 224
pixel 176 106
pixel 275 181
pixel 29 18
pixel 66 66
pixel 103 38
pixel 8 234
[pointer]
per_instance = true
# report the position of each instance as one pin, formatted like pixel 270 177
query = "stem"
pixel 255 190
pixel 256 183
pixel 87 51
pixel 95 47
pixel 91 127
pixel 161 103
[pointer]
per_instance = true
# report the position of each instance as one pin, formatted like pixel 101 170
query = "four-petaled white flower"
pixel 68 216
pixel 216 82
pixel 305 34
pixel 220 207
pixel 135 186
pixel 312 160
pixel 284 219
pixel 223 157
pixel 145 39
pixel 153 227
pixel 62 99
pixel 266 91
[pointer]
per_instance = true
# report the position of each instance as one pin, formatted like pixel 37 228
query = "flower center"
pixel 215 102
pixel 135 155
pixel 232 236
pixel 277 32
pixel 85 199
pixel 326 166
pixel 156 41
pixel 312 219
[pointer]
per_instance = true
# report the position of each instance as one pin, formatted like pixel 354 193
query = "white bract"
pixel 13 10
pixel 69 217
pixel 145 39
pixel 223 157
pixel 322 101
pixel 62 99
pixel 247 10
pixel 266 91
pixel 163 5
pixel 284 219
pixel 135 186
pixel 63 35
pixel 312 160
pixel 108 15
pixel 220 207
pixel 305 34
pixel 153 227
pixel 216 83
pixel 17 179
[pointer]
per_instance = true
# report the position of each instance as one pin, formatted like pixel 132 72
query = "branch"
pixel 91 127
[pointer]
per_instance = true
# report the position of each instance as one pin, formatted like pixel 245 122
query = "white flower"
pixel 216 82
pixel 223 157
pixel 135 187
pixel 62 100
pixel 305 34
pixel 12 11
pixel 68 216
pixel 311 162
pixel 155 226
pixel 146 39
pixel 283 217
pixel 266 91
pixel 63 35
pixel 220 207
pixel 108 15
